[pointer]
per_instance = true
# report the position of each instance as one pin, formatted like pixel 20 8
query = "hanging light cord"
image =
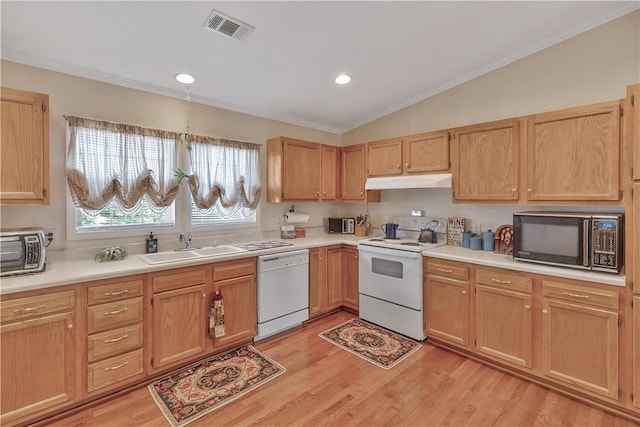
pixel 188 108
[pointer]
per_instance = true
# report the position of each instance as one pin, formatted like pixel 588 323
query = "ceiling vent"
pixel 227 26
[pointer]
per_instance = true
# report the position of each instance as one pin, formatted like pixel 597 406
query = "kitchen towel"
pixel 216 316
pixel 296 217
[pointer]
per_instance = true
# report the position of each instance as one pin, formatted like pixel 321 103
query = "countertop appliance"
pixel 590 241
pixel 390 277
pixel 22 251
pixel 283 292
pixel 342 225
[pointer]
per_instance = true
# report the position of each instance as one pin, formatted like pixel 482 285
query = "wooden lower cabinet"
pixel 39 355
pixel 504 328
pixel 446 302
pixel 334 277
pixel 350 295
pixel 580 346
pixel 240 312
pixel 179 312
pixel 636 351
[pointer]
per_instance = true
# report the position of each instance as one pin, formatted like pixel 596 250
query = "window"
pixel 120 176
pixel 224 175
pixel 124 177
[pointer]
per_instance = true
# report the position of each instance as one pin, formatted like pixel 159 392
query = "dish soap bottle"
pixel 152 244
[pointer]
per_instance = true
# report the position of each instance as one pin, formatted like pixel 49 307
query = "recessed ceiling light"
pixel 185 78
pixel 343 79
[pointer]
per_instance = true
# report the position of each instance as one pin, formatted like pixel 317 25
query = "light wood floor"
pixel 325 385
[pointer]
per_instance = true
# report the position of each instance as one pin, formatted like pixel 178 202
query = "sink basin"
pixel 219 250
pixel 162 257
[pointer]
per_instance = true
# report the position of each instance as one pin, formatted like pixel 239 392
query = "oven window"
pixel 388 268
pixel 552 239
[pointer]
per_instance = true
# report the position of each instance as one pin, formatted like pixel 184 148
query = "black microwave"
pixel 342 225
pixel 577 240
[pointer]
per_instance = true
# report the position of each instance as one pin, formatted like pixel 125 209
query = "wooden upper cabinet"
pixel 24 148
pixel 485 161
pixel 574 154
pixel 353 172
pixel 330 175
pixel 632 113
pixel 426 152
pixel 293 170
pixel 414 154
pixel 385 157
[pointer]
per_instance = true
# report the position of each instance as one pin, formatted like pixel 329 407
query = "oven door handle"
pixel 389 252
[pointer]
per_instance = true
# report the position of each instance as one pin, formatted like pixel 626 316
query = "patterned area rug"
pixel 209 384
pixel 372 343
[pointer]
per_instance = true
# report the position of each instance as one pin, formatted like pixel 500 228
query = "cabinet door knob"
pixel 204 295
pixel 513 190
pixel 545 312
pixel 362 193
pixel 398 166
pixel 355 257
pixel 70 326
pixel 406 164
pixel 527 307
pixel 317 193
pixel 464 292
pixel 529 190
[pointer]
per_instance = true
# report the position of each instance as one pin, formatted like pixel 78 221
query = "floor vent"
pixel 227 26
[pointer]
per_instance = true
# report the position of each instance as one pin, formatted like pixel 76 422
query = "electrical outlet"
pixel 276 221
pixel 476 229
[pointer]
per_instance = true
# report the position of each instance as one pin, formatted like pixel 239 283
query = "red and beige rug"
pixel 209 384
pixel 372 343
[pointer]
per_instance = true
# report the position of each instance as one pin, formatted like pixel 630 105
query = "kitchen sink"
pixel 163 257
pixel 181 255
pixel 219 250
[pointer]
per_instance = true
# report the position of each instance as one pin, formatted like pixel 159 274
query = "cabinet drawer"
pixel 114 314
pixel 24 308
pixel 178 278
pixel 580 294
pixel 507 280
pixel 231 269
pixel 100 292
pixel 450 269
pixel 110 371
pixel 113 342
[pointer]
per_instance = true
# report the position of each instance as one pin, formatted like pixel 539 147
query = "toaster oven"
pixel 22 251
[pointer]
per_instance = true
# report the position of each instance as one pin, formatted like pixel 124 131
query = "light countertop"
pixel 66 272
pixel 491 259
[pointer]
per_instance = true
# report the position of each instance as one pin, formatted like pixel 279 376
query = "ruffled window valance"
pixel 110 161
pixel 224 171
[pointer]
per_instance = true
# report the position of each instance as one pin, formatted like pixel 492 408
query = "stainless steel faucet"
pixel 186 239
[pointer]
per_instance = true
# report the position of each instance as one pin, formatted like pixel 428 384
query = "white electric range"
pixel 390 276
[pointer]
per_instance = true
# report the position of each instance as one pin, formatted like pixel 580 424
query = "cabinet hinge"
pixel 632 175
pixel 621 194
pixel 44 192
pixel 632 101
pixel 621 111
pixel 44 107
pixel 448 136
pixel 631 303
pixel 619 392
pixel 632 285
pixel 631 396
pixel 152 361
pixel 151 302
pixel 619 321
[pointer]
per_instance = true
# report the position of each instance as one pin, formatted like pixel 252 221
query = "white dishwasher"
pixel 283 291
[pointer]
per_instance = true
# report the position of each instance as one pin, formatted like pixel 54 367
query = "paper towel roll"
pixel 296 217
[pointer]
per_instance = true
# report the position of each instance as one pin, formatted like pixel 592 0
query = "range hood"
pixel 441 180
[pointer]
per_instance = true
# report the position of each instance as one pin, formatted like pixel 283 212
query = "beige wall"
pixel 594 66
pixel 591 67
pixel 69 95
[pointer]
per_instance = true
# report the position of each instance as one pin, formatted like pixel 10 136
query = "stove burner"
pixel 376 240
pixel 410 244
